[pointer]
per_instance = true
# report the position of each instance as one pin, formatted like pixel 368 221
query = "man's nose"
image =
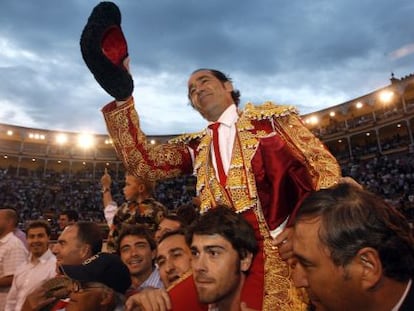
pixel 299 276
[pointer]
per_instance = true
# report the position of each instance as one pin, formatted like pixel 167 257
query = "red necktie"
pixel 222 175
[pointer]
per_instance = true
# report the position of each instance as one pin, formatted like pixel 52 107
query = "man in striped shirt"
pixel 137 250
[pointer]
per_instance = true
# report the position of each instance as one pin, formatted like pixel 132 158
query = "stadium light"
pixel 359 105
pixel 312 120
pixel 61 138
pixel 332 114
pixel 9 132
pixel 37 136
pixel 85 140
pixel 386 96
pixel 152 141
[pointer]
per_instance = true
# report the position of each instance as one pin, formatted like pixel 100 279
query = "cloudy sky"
pixel 309 53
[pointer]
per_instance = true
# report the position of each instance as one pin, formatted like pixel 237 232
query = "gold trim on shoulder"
pixel 267 110
pixel 186 138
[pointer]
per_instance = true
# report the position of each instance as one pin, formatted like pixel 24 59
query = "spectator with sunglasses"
pixel 79 257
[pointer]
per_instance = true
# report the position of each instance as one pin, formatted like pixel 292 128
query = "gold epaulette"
pixel 187 138
pixel 267 110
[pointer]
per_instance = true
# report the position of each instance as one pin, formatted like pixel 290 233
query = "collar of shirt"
pixel 153 280
pixel 44 258
pixel 228 117
pixel 400 302
pixel 227 133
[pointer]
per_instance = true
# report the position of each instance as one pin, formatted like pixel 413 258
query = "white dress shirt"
pixel 227 134
pixel 12 254
pixel 28 277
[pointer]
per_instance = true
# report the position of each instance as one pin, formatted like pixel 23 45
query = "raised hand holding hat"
pixel 105 51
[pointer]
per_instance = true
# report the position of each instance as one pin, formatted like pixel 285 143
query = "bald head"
pixel 8 221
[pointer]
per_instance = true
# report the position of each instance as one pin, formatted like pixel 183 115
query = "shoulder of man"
pixel 267 110
pixel 189 138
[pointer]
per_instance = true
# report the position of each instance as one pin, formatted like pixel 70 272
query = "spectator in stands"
pixel 137 250
pixel 354 252
pixel 95 285
pixel 12 252
pixel 174 262
pixel 173 257
pixel 19 233
pixel 223 245
pixel 140 206
pixel 169 223
pixel 66 218
pixel 79 244
pixel 41 265
pixel 188 212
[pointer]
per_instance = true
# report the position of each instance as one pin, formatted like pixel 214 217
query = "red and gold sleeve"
pixel 322 165
pixel 141 158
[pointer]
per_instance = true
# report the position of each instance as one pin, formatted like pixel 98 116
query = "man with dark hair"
pixel 168 224
pixel 79 245
pixel 137 249
pixel 12 252
pixel 66 218
pixel 261 161
pixel 353 251
pixel 41 265
pixel 174 263
pixel 223 245
pixel 97 284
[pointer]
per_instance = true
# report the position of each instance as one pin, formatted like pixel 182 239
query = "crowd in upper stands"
pixel 391 177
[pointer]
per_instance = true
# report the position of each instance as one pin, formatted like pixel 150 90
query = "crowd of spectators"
pixel 391 177
pixel 36 197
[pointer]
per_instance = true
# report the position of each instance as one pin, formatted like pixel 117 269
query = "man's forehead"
pixel 173 241
pixel 128 239
pixel 69 231
pixel 36 230
pixel 198 75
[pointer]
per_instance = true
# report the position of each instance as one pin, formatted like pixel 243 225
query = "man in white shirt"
pixel 12 252
pixel 40 267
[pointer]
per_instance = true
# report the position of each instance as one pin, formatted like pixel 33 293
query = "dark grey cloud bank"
pixel 311 54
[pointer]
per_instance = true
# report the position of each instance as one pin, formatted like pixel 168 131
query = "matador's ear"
pixel 104 50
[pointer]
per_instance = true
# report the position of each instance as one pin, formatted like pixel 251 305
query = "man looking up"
pixel 261 161
pixel 354 252
pixel 40 267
